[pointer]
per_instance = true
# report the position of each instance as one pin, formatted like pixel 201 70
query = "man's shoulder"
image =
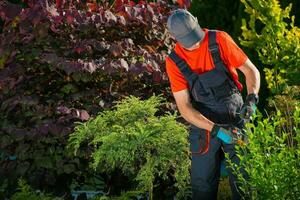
pixel 169 61
pixel 223 36
pixel 221 33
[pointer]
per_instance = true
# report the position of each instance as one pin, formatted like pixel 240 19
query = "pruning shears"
pixel 242 138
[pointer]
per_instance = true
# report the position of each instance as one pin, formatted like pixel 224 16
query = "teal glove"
pixel 227 133
pixel 249 107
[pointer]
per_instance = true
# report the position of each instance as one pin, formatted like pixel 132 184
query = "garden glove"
pixel 227 133
pixel 249 107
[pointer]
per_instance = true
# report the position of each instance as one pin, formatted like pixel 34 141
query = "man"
pixel 202 73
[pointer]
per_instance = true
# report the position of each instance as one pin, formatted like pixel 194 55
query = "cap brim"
pixel 191 38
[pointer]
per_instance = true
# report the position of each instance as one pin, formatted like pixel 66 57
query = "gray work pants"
pixel 205 172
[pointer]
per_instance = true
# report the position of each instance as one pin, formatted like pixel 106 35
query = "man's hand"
pixel 249 107
pixel 227 133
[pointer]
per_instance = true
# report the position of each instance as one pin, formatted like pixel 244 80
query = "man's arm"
pixel 253 83
pixel 226 133
pixel 252 77
pixel 191 115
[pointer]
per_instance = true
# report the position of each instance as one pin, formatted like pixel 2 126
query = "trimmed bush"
pixel 144 147
pixel 271 158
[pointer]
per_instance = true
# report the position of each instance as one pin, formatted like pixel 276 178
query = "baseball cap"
pixel 185 28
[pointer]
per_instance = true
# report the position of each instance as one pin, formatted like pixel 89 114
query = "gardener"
pixel 204 81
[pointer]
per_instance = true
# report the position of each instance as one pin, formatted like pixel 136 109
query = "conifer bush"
pixel 132 139
pixel 26 192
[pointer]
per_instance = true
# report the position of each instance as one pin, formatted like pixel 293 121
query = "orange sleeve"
pixel 231 54
pixel 176 78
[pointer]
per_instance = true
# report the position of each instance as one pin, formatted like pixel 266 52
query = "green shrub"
pixel 133 140
pixel 26 192
pixel 271 158
pixel 272 33
pixel 287 101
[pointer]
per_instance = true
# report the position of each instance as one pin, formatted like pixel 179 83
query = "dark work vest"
pixel 214 93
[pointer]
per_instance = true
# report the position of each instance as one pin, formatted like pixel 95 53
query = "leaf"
pixel 71 66
pixel 6 141
pixel 8 11
pixel 84 115
pixel 78 17
pixel 69 168
pixel 115 50
pixel 68 88
pixel 23 168
pixel 121 20
pixel 80 114
pixel 44 129
pixel 102 46
pixel 157 77
pixel 92 6
pixel 58 4
pixel 44 161
pixel 3 60
pixel 119 4
pixel 63 110
pixel 124 64
pixel 29 100
pixel 109 17
pixel 90 67
pixel 129 44
pixel 70 19
pixel 79 50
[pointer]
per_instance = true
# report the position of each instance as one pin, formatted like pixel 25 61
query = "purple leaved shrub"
pixel 62 65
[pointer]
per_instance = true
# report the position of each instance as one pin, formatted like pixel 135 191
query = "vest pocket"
pixel 199 93
pixel 222 91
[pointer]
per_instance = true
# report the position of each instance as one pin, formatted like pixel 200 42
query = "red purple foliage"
pixel 65 61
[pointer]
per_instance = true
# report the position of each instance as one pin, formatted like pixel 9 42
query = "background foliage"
pixel 273 34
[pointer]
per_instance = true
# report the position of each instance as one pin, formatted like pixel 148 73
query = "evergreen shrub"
pixel 132 139
pixel 26 192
